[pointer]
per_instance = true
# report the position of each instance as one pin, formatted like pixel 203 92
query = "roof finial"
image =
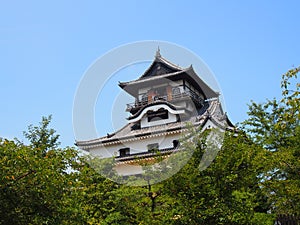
pixel 157 52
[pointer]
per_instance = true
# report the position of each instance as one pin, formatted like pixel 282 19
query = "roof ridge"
pixel 159 58
pixel 162 59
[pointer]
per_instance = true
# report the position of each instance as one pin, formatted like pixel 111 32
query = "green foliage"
pixel 41 137
pixel 59 187
pixel 36 186
pixel 275 125
pixel 226 192
pixel 254 175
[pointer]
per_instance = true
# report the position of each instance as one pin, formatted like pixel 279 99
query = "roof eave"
pixel 208 92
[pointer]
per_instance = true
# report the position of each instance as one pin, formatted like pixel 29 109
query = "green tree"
pixel 42 137
pixel 256 170
pixel 38 181
pixel 275 125
pixel 227 192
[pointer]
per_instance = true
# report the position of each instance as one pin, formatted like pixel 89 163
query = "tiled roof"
pixel 152 78
pixel 127 134
pixel 145 155
pixel 160 59
pixel 188 74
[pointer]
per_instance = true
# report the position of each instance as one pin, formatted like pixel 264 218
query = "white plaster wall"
pixel 144 120
pixel 181 104
pixel 125 169
pixel 145 123
pixel 135 146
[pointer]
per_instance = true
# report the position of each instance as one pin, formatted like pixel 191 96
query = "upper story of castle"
pixel 166 93
pixel 166 97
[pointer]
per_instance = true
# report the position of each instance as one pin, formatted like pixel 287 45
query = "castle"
pixel 166 98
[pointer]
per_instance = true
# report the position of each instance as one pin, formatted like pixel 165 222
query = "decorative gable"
pixel 158 68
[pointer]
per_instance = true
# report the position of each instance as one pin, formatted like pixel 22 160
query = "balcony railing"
pixel 186 94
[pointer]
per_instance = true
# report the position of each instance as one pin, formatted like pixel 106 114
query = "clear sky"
pixel 45 48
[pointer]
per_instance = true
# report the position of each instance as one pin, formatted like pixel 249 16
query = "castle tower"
pixel 166 98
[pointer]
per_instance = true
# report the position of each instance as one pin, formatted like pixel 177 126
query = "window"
pixel 152 147
pixel 124 152
pixel 161 114
pixel 175 143
pixel 144 98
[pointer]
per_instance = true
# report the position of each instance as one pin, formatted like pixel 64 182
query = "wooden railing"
pixel 185 94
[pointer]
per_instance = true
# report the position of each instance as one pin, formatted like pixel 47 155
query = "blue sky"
pixel 45 48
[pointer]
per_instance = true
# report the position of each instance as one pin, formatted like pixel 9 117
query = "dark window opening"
pixel 160 114
pixel 144 98
pixel 136 126
pixel 124 151
pixel 175 143
pixel 152 147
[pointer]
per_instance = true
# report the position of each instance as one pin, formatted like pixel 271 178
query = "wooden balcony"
pixel 186 95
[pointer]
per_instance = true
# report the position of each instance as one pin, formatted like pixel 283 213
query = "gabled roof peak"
pixel 159 58
pixel 161 68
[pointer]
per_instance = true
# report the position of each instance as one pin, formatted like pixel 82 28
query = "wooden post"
pixel 150 96
pixel 169 93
